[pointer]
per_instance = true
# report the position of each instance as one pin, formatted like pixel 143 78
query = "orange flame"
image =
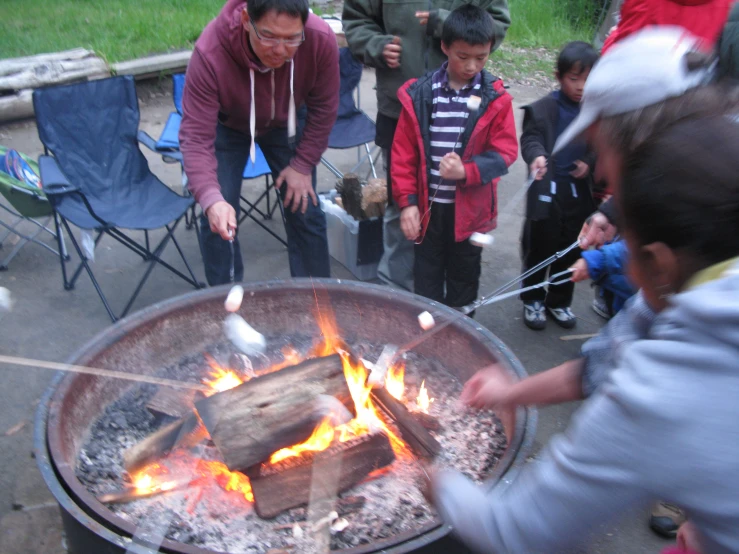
pixel 422 400
pixel 394 382
pixel 227 480
pixel 223 379
pixel 321 439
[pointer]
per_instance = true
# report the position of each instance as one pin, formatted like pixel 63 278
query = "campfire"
pixel 274 429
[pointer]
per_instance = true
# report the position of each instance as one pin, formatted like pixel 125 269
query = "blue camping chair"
pixel 168 145
pixel 353 127
pixel 97 178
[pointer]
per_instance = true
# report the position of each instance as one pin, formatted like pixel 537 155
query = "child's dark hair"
pixel 294 8
pixel 577 56
pixel 681 188
pixel 469 24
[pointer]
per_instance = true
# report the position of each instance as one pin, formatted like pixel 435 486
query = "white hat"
pixel 643 69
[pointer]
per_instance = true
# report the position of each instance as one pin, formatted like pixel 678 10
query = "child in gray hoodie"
pixel 664 423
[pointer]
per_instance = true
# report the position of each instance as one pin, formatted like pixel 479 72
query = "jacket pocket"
pixel 539 200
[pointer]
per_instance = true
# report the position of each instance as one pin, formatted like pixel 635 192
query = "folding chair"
pixel 28 203
pixel 97 178
pixel 168 146
pixel 353 127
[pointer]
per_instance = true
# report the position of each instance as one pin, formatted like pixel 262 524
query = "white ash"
pixel 208 517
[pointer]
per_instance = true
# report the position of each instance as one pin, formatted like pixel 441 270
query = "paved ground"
pixel 50 323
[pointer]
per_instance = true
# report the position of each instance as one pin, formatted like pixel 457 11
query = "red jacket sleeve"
pixel 633 16
pixel 198 131
pixel 405 160
pixel 500 150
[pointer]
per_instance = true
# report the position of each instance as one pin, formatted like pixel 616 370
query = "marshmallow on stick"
pixel 426 321
pixel 234 298
pixel 244 336
pixel 480 239
pixel 473 103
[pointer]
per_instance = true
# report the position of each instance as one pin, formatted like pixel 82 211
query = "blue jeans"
pixel 307 245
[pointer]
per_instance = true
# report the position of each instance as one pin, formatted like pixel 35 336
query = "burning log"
pixel 173 402
pixel 287 484
pixel 413 432
pixel 163 441
pixel 428 421
pixel 250 422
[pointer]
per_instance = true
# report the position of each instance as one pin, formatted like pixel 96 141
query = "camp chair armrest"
pixel 147 140
pixel 53 179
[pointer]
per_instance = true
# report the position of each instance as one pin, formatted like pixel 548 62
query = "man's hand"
pixel 580 271
pixel 451 167
pixel 391 53
pixel 410 222
pixel 222 219
pixel 487 389
pixel 596 231
pixel 423 17
pixel 539 168
pixel 581 170
pixel 299 189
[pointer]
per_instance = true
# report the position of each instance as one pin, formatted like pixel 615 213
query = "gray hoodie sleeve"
pixel 585 477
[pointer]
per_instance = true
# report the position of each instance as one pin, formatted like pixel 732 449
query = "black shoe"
pixel 666 519
pixel 534 316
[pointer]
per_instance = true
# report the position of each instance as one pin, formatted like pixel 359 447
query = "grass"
pixel 120 30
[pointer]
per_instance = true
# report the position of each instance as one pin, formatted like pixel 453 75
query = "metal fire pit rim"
pixel 58 479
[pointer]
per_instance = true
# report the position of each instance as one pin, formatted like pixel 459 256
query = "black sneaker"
pixel 534 316
pixel 666 519
pixel 563 317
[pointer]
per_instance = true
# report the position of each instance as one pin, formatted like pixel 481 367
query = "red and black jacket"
pixel 489 148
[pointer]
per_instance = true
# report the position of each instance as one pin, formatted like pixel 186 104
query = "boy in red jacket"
pixel 456 136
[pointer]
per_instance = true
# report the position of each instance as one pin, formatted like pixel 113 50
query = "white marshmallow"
pixel 480 239
pixel 244 336
pixel 473 103
pixel 6 301
pixel 426 321
pixel 234 298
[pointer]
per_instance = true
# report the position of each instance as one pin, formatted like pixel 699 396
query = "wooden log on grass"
pixel 252 421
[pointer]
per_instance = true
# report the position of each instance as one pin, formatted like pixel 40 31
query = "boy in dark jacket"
pixel 456 136
pixel 559 200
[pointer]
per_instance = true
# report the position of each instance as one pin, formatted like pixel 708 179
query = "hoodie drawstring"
pixel 291 116
pixel 252 121
pixel 291 112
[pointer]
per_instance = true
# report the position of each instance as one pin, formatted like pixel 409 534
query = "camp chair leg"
pixel 86 266
pixel 248 214
pixel 132 244
pixel 194 282
pixel 332 168
pixel 148 247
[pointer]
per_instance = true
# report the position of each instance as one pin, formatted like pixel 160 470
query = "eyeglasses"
pixel 269 41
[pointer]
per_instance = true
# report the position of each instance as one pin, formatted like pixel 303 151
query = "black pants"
pixel 445 270
pixel 570 206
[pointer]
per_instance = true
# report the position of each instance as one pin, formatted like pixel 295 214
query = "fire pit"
pixel 185 327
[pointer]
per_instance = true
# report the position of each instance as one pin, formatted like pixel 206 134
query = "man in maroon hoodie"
pixel 277 54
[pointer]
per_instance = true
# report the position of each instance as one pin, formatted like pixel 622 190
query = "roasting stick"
pixel 43 364
pixel 495 296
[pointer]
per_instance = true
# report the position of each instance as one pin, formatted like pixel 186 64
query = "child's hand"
pixel 423 17
pixel 391 53
pixel 539 168
pixel 410 222
pixel 487 389
pixel 581 170
pixel 580 271
pixel 451 167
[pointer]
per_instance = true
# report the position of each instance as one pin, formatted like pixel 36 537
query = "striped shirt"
pixel 448 119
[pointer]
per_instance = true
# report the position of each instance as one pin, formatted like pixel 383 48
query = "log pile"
pixel 19 76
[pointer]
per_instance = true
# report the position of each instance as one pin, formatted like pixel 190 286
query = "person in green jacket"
pixel 402 41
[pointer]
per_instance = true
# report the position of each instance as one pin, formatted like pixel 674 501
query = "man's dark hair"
pixel 469 24
pixel 680 188
pixel 577 56
pixel 294 8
